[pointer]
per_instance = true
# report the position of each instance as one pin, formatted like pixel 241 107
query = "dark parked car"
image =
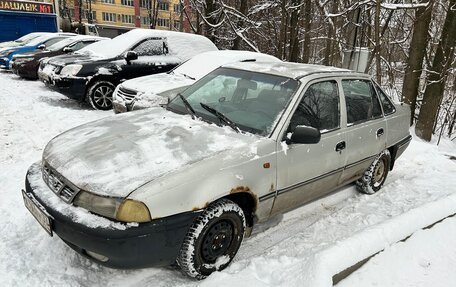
pixel 92 73
pixel 26 65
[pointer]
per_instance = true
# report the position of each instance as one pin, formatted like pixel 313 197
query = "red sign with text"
pixel 23 6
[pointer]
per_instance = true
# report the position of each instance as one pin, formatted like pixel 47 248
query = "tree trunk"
pixel 283 31
pixel 438 74
pixel 210 32
pixel 378 62
pixel 307 27
pixel 243 8
pixel 294 31
pixel 416 55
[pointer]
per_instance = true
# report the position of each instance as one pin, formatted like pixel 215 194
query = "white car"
pixel 149 91
pixel 186 182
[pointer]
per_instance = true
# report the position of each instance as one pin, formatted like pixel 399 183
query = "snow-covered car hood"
pixel 115 155
pixel 67 59
pixel 157 83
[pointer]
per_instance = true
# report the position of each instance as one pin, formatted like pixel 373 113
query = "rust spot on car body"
pixel 240 189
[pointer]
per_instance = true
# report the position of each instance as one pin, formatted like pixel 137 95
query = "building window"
pixel 127 19
pixel 108 17
pixel 145 4
pixel 108 1
pixel 127 2
pixel 163 22
pixel 177 8
pixel 145 20
pixel 176 24
pixel 164 6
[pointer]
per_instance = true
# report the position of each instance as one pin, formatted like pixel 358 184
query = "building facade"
pixel 113 17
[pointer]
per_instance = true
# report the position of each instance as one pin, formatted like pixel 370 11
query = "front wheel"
pixel 213 239
pixel 100 95
pixel 374 177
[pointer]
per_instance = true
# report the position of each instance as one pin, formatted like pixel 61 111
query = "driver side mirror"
pixel 130 56
pixel 41 47
pixel 67 50
pixel 305 135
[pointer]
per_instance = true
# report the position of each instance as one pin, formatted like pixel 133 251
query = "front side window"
pixel 151 47
pixel 318 108
pixel 361 101
pixel 253 101
pixel 388 107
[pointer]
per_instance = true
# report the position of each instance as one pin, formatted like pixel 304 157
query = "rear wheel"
pixel 100 95
pixel 374 177
pixel 213 239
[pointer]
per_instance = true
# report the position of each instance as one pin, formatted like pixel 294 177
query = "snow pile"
pixel 427 258
pixel 282 252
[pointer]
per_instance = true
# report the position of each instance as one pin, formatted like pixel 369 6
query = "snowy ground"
pixel 280 253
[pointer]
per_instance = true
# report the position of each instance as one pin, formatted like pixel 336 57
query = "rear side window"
pixel 151 47
pixel 388 107
pixel 319 107
pixel 361 101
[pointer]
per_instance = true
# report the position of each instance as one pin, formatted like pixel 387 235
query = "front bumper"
pixel 25 69
pixel 154 243
pixel 74 88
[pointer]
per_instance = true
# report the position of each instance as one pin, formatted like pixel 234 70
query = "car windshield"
pixel 111 48
pixel 252 102
pixel 62 44
pixel 27 38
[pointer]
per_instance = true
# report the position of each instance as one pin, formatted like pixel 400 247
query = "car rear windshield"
pixel 253 101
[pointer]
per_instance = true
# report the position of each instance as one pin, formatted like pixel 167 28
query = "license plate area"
pixel 38 211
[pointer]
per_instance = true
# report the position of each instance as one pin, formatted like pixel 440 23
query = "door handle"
pixel 340 146
pixel 380 132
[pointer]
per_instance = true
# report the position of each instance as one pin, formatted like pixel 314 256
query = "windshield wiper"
pixel 187 76
pixel 187 105
pixel 221 117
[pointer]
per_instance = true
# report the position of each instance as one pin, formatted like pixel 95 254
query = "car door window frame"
pixel 295 105
pixel 342 79
pixel 379 90
pixel 163 39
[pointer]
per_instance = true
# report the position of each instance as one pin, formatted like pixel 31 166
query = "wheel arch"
pixel 246 200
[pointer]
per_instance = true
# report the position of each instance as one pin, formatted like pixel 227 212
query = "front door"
pixel 308 171
pixel 152 59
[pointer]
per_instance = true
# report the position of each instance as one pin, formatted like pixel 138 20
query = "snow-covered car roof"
pixel 215 59
pixel 181 45
pixel 287 69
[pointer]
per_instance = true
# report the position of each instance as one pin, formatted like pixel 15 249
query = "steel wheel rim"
pixel 217 241
pixel 379 172
pixel 103 96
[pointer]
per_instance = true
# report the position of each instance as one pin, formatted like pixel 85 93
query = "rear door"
pixel 308 171
pixel 366 127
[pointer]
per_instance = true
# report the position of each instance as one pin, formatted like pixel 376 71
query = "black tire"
pixel 99 95
pixel 374 177
pixel 213 239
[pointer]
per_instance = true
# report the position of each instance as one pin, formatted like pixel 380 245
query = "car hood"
pixel 116 155
pixel 64 60
pixel 155 84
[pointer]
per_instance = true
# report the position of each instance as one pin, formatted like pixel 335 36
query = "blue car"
pixel 40 42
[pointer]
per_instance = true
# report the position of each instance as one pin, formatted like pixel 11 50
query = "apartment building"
pixel 114 17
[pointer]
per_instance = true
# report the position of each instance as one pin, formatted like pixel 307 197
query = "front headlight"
pixel 116 208
pixel 70 70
